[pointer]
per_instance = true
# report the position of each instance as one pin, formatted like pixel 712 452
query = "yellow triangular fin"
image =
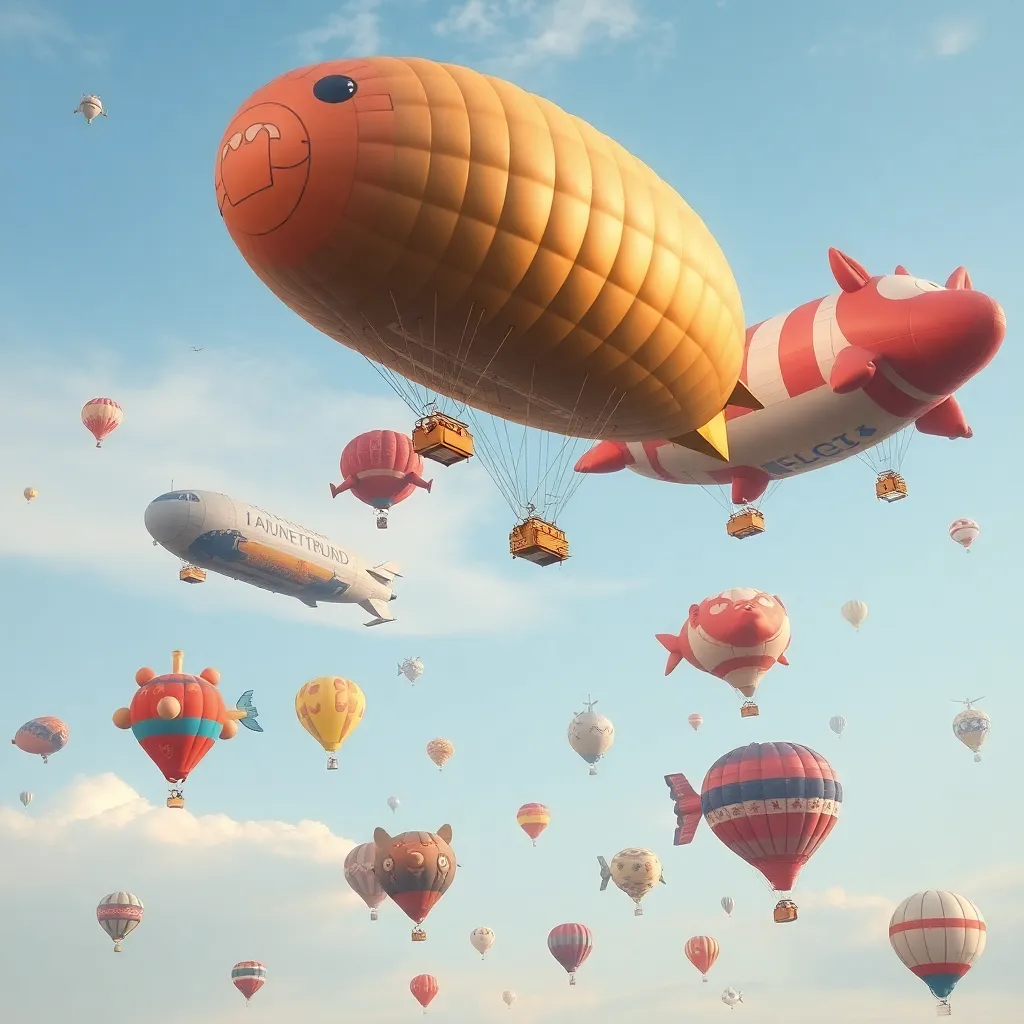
pixel 712 439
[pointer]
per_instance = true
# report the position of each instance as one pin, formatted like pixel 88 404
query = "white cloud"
pixel 269 434
pixel 952 38
pixel 105 809
pixel 475 18
pixel 354 32
pixel 29 23
pixel 531 32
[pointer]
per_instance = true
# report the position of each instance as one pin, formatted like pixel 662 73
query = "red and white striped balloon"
pixel 249 976
pixel 571 944
pixel 702 951
pixel 101 416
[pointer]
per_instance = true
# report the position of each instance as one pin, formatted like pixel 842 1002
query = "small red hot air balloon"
pixel 702 951
pixel 249 976
pixel 177 718
pixel 533 819
pixel 101 417
pixel 381 469
pixel 424 988
pixel 570 944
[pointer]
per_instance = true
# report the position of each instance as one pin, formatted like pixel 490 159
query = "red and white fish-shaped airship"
pixel 837 376
pixel 737 636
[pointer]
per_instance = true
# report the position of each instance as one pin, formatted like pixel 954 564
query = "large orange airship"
pixel 483 243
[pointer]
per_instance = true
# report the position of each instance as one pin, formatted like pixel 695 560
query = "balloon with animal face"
pixel 737 635
pixel 415 869
pixel 177 717
pixel 837 377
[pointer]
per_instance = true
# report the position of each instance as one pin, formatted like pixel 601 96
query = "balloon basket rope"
pixel 572 979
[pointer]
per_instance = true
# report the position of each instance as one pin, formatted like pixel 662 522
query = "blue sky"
pixel 891 133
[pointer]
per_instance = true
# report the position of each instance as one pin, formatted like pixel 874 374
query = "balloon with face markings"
pixel 415 869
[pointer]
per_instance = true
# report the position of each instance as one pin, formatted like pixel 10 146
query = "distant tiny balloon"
pixel 440 751
pixel 119 914
pixel 971 727
pixel 101 416
pixel 482 939
pixel 855 612
pixel 43 736
pixel 411 668
pixel 25 797
pixel 728 905
pixel 731 997
pixel 508 997
pixel 964 532
pixel 696 721
pixel 90 107
pixel 249 976
pixel 30 494
pixel 591 735
pixel 837 724
pixel 394 803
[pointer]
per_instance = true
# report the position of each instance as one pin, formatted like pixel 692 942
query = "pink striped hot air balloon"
pixel 938 935
pixel 702 951
pixel 571 944
pixel 101 417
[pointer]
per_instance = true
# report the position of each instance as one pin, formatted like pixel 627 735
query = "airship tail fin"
pixel 743 397
pixel 712 439
pixel 250 714
pixel 384 573
pixel 379 609
pixel 606 873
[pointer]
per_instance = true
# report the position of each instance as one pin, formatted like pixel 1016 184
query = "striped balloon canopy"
pixel 533 819
pixel 570 944
pixel 249 976
pixel 773 804
pixel 702 951
pixel 119 914
pixel 939 936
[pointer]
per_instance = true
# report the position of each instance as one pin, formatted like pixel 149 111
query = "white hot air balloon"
pixel 939 935
pixel 971 726
pixel 965 532
pixel 411 668
pixel 394 803
pixel 837 724
pixel 591 735
pixel 508 997
pixel 482 940
pixel 695 721
pixel 90 108
pixel 855 612
pixel 25 797
pixel 30 494
pixel 728 905
pixel 732 997
pixel 119 914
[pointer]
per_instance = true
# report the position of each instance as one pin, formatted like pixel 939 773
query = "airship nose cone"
pixel 167 517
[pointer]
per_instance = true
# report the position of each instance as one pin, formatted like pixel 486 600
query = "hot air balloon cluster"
pixel 503 265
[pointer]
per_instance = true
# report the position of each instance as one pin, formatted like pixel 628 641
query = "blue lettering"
pixel 806 462
pixel 817 449
pixel 845 440
pixel 774 468
pixel 787 463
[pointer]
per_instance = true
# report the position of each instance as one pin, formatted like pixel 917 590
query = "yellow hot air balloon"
pixel 329 709
pixel 30 493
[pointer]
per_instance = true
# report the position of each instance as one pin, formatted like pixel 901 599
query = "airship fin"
pixel 606 873
pixel 743 397
pixel 945 420
pixel 712 439
pixel 378 608
pixel 385 572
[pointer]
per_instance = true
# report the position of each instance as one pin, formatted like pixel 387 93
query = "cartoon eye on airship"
pixel 485 250
pixel 177 717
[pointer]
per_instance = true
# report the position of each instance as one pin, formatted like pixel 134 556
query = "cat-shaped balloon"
pixel 415 870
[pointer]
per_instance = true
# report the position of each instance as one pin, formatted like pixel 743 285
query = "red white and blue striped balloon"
pixel 249 976
pixel 773 804
pixel 570 944
pixel 939 935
